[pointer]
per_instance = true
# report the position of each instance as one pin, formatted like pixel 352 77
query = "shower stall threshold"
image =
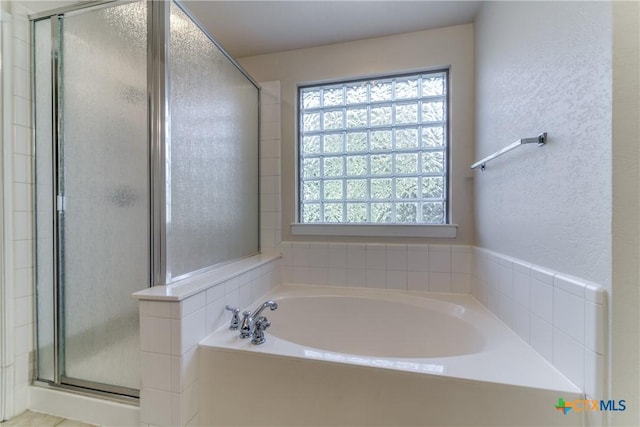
pixel 72 403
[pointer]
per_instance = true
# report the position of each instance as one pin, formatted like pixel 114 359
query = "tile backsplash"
pixel 435 268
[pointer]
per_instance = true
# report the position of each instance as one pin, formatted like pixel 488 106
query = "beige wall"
pixel 625 298
pixel 445 47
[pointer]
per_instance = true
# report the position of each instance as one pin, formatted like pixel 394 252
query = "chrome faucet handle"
pixel 258 336
pixel 235 320
pixel 246 328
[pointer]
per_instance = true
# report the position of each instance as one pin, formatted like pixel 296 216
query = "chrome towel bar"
pixel 540 140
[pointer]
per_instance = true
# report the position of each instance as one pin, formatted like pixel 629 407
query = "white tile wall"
pixel 169 335
pixel 436 268
pixel 18 225
pixel 563 318
pixel 418 258
pixel 270 166
pixel 439 258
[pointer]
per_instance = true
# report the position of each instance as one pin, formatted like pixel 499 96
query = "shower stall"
pixel 146 172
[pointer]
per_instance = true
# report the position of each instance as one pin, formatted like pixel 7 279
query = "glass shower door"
pixel 104 170
pixel 93 187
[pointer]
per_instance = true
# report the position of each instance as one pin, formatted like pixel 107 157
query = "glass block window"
pixel 374 151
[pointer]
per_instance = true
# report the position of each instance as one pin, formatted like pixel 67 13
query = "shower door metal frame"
pixel 159 134
pixel 158 21
pixel 123 394
pixel 58 185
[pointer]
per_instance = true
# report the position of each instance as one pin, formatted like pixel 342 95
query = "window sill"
pixel 375 230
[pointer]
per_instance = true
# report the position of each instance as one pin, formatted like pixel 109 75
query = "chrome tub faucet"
pixel 248 326
pixel 253 325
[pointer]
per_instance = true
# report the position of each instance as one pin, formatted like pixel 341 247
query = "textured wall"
pixel 546 66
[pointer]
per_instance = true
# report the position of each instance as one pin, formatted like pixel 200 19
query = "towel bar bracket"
pixel 540 140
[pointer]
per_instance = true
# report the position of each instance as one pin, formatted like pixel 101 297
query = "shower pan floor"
pixel 33 419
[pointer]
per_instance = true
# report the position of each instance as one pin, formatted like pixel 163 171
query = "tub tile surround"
pixel 562 317
pixel 173 319
pixel 435 268
pixel 270 166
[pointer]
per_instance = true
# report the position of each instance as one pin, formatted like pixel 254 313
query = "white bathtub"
pixel 346 356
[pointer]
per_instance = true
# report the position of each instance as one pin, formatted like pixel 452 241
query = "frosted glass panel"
pixel 106 186
pixel 44 200
pixel 214 153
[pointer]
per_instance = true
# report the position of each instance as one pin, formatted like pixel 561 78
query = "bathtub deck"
pixel 506 359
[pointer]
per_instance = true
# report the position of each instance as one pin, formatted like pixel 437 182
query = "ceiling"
pixel 247 28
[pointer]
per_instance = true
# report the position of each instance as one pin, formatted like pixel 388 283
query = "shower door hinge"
pixel 60 203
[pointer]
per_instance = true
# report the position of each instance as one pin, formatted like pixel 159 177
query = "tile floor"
pixel 35 419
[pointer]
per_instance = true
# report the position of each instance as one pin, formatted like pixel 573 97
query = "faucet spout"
pixel 271 304
pixel 248 326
